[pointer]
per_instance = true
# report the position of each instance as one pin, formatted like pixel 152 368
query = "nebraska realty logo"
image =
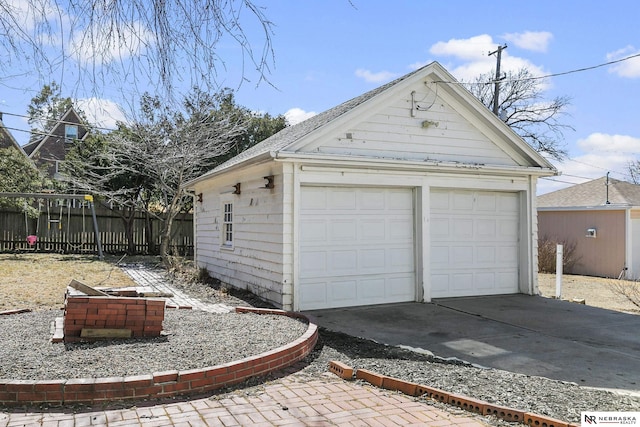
pixel 610 418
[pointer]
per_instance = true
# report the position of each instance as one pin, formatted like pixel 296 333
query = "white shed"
pixel 412 191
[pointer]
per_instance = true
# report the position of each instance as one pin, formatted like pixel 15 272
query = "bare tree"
pixel 144 165
pixel 88 168
pixel 547 253
pixel 633 168
pixel 154 42
pixel 523 107
pixel 630 290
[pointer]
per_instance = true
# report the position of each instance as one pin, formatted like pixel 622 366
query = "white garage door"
pixel 474 243
pixel 356 247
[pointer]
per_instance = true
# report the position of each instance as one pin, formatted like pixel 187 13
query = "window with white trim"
pixel 70 133
pixel 227 225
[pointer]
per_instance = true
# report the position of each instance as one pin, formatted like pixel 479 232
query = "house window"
pixel 227 225
pixel 70 133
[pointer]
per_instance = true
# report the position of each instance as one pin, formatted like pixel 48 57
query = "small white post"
pixel 559 271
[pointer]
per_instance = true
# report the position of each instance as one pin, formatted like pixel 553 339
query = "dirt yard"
pixel 38 281
pixel 596 291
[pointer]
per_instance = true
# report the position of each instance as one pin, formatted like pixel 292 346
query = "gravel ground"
pixel 195 339
pixel 193 342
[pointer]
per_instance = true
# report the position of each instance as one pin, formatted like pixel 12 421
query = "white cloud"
pixel 103 113
pixel 371 77
pixel 41 22
pixel 97 46
pixel 29 15
pixel 537 41
pixel 601 153
pixel 602 142
pixel 297 115
pixel 472 57
pixel 629 68
pixel 472 49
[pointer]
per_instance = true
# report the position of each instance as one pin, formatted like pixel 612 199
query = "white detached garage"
pixel 409 192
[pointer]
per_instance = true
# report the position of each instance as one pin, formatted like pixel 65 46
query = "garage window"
pixel 227 225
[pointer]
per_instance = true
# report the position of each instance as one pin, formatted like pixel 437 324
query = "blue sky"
pixel 328 51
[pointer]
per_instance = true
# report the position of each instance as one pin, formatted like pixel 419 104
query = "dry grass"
pixel 596 291
pixel 38 281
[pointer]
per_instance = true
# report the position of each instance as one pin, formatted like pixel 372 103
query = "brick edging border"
pixel 463 402
pixel 164 384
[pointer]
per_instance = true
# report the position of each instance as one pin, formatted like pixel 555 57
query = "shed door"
pixel 356 247
pixel 474 243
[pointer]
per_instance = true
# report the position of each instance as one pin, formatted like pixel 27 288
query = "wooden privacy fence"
pixel 70 230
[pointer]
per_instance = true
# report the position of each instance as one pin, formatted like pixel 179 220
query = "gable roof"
pixel 69 117
pixel 7 139
pixel 593 193
pixel 281 142
pixel 30 147
pixel 292 134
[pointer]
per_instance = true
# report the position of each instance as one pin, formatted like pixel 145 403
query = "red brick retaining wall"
pixel 463 402
pixel 160 384
pixel 142 316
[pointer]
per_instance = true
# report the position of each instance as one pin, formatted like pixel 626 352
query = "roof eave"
pixel 605 207
pixel 431 165
pixel 214 173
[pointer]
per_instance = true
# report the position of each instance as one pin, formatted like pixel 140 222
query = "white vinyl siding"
pixel 254 262
pixel 474 243
pixel 439 134
pixel 356 246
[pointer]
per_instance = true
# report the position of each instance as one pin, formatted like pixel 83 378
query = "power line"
pixel 637 55
pixel 35 132
pixel 44 118
pixel 559 180
pixel 622 174
pixel 575 176
pixel 596 167
pixel 564 73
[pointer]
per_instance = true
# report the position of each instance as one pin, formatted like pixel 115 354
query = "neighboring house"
pixel 602 218
pixel 7 140
pixel 412 191
pixel 50 150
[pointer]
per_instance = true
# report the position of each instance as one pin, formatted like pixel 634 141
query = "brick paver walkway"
pixel 291 401
pixel 154 278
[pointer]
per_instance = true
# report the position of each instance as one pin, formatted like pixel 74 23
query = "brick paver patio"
pixel 291 401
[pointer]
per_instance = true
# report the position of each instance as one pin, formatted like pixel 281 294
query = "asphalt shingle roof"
pixel 593 193
pixel 293 133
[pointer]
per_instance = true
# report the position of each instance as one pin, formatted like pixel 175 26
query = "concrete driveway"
pixel 518 333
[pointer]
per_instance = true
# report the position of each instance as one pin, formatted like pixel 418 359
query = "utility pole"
pixel 496 87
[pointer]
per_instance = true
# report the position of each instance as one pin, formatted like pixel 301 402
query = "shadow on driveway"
pixel 518 333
